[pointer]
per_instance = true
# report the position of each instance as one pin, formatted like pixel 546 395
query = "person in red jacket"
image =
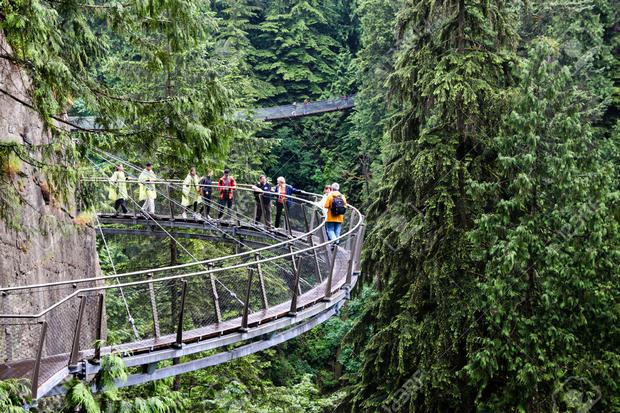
pixel 226 186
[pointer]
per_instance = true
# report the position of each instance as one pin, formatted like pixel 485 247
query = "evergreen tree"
pixel 372 66
pixel 450 80
pixel 143 67
pixel 297 52
pixel 237 23
pixel 548 248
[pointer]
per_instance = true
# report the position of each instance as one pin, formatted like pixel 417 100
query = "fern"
pixel 79 397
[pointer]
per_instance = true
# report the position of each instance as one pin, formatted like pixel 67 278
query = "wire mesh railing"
pixel 84 318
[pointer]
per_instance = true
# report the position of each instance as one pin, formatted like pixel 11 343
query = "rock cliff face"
pixel 42 243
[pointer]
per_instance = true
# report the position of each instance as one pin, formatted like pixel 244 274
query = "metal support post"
pixel 170 203
pixel 328 286
pixel 75 348
pixel 287 221
pixel 154 312
pixel 310 227
pixel 296 289
pixel 99 332
pixel 351 259
pixel 37 364
pixel 358 248
pixel 179 340
pixel 246 305
pixel 216 297
pixel 261 280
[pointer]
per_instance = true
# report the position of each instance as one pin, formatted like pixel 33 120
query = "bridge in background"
pixel 273 285
pixel 274 113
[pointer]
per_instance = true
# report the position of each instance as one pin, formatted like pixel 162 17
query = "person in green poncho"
pixel 118 189
pixel 191 192
pixel 147 189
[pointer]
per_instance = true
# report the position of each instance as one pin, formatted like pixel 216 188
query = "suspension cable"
pixel 149 216
pixel 215 205
pixel 105 244
pixel 187 210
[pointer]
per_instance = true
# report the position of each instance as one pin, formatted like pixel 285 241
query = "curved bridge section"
pixel 267 287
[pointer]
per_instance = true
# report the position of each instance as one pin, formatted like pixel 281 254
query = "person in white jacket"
pixel 148 192
pixel 118 189
pixel 191 192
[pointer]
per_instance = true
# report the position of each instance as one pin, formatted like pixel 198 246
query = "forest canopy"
pixel 484 147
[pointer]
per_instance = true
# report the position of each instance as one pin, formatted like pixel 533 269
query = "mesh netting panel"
pixel 62 322
pixel 19 345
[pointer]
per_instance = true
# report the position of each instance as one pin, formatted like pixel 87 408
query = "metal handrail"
pixel 173 267
pixel 351 230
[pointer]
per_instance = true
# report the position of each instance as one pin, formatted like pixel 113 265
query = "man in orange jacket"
pixel 226 187
pixel 336 205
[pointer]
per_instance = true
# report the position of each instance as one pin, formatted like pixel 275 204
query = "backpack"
pixel 338 206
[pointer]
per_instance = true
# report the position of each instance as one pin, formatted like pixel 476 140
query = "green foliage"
pixel 14 395
pixel 80 398
pixel 110 399
pixel 548 246
pixel 297 52
pixel 373 64
pixel 496 230
pixel 452 72
pixel 147 69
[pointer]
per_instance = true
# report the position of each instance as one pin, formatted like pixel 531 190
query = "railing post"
pixel 37 364
pixel 236 210
pixel 358 248
pixel 351 258
pixel 296 289
pixel 351 223
pixel 75 348
pixel 179 340
pixel 287 221
pixel 99 331
pixel 328 286
pixel 323 240
pixel 135 203
pixel 311 240
pixel 154 312
pixel 261 281
pixel 246 305
pixel 170 202
pixel 216 297
pixel 262 209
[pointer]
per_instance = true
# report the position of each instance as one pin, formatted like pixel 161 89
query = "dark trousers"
pixel 263 209
pixel 279 208
pixel 120 204
pixel 223 204
pixel 205 208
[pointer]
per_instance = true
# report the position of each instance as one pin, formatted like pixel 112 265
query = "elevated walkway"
pixel 277 285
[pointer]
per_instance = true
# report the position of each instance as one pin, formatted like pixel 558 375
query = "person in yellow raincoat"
pixel 191 192
pixel 147 189
pixel 118 189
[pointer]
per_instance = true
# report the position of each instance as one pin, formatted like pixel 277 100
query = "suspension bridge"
pixel 273 285
pixel 267 114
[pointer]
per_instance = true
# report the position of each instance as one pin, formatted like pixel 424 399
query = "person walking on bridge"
pixel 262 194
pixel 321 203
pixel 284 192
pixel 118 189
pixel 147 189
pixel 226 186
pixel 336 205
pixel 206 190
pixel 191 192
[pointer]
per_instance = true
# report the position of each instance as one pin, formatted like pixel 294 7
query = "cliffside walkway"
pixel 271 286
